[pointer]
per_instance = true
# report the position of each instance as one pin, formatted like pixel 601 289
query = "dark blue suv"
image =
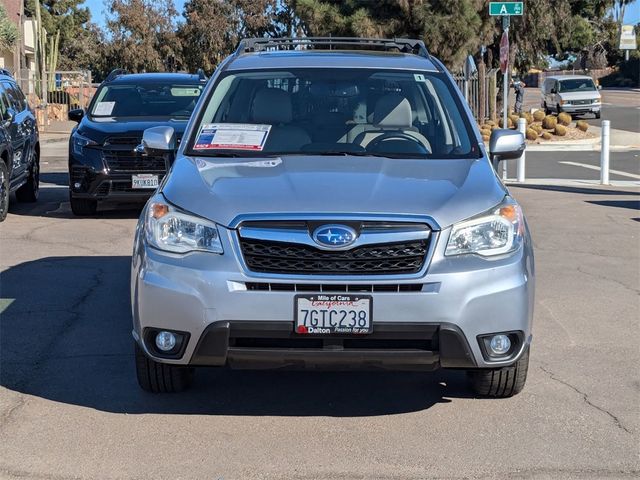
pixel 104 162
pixel 19 146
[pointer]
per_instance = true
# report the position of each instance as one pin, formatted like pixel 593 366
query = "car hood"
pixel 98 129
pixel 223 189
pixel 587 95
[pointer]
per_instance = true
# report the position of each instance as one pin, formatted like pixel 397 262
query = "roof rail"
pixel 201 74
pixel 114 73
pixel 4 71
pixel 404 45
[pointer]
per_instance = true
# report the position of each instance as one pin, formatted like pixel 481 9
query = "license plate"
pixel 144 180
pixel 333 314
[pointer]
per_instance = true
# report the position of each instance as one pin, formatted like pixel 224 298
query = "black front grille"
pixel 128 161
pixel 382 259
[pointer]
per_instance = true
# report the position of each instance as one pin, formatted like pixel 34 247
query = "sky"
pixel 632 13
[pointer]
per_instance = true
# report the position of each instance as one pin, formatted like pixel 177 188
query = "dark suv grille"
pixel 120 157
pixel 382 259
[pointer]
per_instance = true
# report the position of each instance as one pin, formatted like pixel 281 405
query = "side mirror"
pixel 599 87
pixel 76 114
pixel 158 139
pixel 506 144
pixel 553 91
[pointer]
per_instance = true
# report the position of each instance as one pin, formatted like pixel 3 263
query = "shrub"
pixel 531 134
pixel 546 136
pixel 549 122
pixel 564 119
pixel 560 130
pixel 582 125
pixel 538 115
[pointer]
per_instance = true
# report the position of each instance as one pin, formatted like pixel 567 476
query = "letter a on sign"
pixel 503 10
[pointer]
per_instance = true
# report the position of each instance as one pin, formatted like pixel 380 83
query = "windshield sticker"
pixel 185 92
pixel 104 108
pixel 232 136
pixel 418 77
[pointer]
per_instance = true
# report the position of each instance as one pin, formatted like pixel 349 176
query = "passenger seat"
pixel 272 106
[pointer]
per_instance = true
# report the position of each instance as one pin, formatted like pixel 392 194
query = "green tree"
pixel 212 29
pixel 142 35
pixel 8 31
pixel 79 38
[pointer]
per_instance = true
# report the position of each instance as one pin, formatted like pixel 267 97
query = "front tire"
pixel 82 207
pixel 597 114
pixel 28 193
pixel 157 377
pixel 501 382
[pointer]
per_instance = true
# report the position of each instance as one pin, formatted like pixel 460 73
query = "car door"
pixel 17 131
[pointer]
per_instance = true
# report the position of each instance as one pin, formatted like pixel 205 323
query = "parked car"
pixel 103 161
pixel 19 146
pixel 575 94
pixel 333 206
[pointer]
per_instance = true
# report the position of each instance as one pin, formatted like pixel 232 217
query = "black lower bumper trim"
pixel 395 346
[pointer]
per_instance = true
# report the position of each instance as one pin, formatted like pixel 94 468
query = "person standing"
pixel 518 86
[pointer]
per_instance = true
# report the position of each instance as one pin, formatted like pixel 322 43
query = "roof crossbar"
pixel 404 45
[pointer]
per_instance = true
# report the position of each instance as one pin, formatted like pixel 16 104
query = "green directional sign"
pixel 506 8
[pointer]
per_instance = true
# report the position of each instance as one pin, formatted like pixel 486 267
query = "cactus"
pixel 54 44
pixel 514 119
pixel 549 122
pixel 564 119
pixel 560 130
pixel 537 127
pixel 509 123
pixel 546 136
pixel 538 115
pixel 528 117
pixel 582 125
pixel 531 134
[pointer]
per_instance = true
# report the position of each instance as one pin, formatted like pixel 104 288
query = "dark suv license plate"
pixel 326 314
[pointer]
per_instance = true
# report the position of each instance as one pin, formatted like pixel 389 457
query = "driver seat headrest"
pixel 393 111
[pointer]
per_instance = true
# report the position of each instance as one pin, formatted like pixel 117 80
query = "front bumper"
pixel 581 108
pixel 90 177
pixel 208 297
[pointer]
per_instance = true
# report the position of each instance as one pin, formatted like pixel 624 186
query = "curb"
pixel 561 182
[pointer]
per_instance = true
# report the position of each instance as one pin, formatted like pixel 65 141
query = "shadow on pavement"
pixel 630 204
pixel 581 190
pixel 65 336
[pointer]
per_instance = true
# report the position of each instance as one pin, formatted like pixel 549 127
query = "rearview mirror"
pixel 506 144
pixel 76 114
pixel 159 139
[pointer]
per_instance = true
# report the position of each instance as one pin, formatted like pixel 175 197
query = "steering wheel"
pixel 375 143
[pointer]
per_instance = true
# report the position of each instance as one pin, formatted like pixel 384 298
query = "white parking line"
pixel 593 167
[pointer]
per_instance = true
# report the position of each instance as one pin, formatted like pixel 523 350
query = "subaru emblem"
pixel 334 236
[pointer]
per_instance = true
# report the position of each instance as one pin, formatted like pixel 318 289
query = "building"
pixel 20 60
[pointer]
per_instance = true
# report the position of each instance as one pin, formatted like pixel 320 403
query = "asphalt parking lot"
pixel 70 407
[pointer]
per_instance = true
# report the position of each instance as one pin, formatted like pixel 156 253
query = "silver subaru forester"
pixel 332 205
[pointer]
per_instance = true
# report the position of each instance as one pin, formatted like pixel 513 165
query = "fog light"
pixel 77 185
pixel 499 344
pixel 165 341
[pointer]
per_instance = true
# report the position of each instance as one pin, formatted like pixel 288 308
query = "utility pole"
pixel 504 47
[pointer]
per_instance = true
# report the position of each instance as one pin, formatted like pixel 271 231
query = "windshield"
pixel 146 100
pixel 577 85
pixel 333 111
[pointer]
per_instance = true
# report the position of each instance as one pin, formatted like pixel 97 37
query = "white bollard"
pixel 604 153
pixel 522 128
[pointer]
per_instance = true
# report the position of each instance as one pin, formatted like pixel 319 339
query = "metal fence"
pixel 63 91
pixel 481 93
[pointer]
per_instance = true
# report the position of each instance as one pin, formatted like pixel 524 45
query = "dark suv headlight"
pixel 79 142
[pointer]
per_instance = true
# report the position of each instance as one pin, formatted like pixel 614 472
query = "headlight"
pixel 496 232
pixel 79 142
pixel 169 229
